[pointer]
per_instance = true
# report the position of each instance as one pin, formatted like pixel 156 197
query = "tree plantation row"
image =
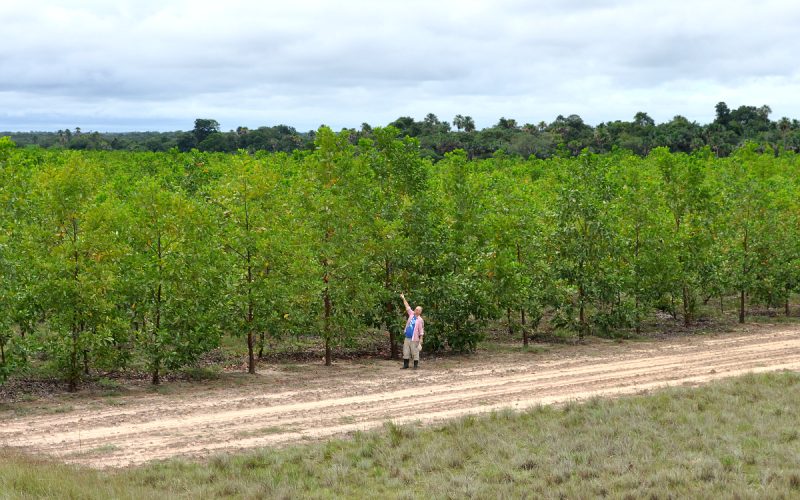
pixel 115 260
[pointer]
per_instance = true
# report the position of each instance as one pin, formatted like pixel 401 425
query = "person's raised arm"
pixel 405 303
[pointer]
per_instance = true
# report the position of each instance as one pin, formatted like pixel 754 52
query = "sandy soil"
pixel 293 403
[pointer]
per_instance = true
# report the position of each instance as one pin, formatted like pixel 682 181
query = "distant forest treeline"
pixel 564 136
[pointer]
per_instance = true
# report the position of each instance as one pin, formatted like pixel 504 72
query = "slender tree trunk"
pixel 261 341
pixel 522 311
pixel 721 305
pixel 636 270
pixel 743 290
pixel 687 310
pixel 86 352
pixel 786 304
pixel 524 330
pixel 251 360
pixel 74 374
pixel 328 357
pixel 394 351
pixel 156 375
pixel 581 314
pixel 156 369
pixel 251 356
pixel 741 306
pixel 73 360
pixel 326 298
pixel 510 326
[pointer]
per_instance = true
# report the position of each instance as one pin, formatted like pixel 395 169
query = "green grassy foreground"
pixel 738 438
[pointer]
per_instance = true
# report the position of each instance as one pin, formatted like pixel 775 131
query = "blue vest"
pixel 410 327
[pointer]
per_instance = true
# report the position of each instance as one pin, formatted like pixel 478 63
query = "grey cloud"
pixel 124 64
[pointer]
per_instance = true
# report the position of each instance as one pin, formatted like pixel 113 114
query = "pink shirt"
pixel 419 327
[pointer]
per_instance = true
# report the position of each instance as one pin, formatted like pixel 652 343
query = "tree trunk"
pixel 582 315
pixel 394 348
pixel 156 375
pixel 522 311
pixel 74 371
pixel 262 339
pixel 328 358
pixel 326 297
pixel 786 304
pixel 510 326
pixel 73 361
pixel 687 312
pixel 636 257
pixel 721 305
pixel 524 330
pixel 251 359
pixel 743 291
pixel 741 305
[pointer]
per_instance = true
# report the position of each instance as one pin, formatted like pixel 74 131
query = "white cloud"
pixel 158 65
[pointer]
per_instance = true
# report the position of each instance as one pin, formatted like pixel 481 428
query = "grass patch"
pixel 100 450
pixel 735 438
pixel 202 373
pixel 265 431
pixel 57 410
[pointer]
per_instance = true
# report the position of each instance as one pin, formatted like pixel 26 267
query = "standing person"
pixel 414 331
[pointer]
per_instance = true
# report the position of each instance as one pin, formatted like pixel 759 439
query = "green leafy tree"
pixel 689 198
pixel 518 270
pixel 452 265
pixel 584 242
pixel 204 127
pixel 175 277
pixel 78 261
pixel 643 221
pixel 401 179
pixel 336 211
pixel 254 233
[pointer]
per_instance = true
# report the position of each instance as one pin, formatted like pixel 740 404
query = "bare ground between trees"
pixel 289 404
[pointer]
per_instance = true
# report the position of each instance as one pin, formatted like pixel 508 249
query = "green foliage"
pixel 76 257
pixel 174 276
pixel 145 260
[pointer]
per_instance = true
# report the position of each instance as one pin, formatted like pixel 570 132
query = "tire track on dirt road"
pixel 152 429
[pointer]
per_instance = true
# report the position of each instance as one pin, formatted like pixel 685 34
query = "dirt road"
pixel 292 403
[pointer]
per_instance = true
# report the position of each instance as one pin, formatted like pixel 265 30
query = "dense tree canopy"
pixel 138 259
pixel 564 135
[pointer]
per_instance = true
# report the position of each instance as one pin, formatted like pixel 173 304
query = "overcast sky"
pixel 121 65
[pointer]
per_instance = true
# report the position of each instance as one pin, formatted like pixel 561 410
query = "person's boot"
pixel 405 364
pixel 416 364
